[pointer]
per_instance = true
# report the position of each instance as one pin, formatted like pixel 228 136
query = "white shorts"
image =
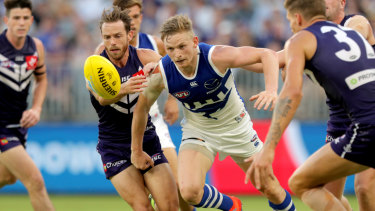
pixel 162 130
pixel 238 140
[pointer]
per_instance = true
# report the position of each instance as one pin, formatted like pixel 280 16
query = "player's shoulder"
pixel 147 55
pixel 38 42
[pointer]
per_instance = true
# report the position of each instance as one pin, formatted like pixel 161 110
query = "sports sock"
pixel 286 205
pixel 212 198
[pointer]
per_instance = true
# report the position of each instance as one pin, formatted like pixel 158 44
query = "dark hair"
pixel 308 8
pixel 126 4
pixel 11 4
pixel 116 14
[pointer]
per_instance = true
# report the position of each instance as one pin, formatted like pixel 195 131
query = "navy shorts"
pixel 116 156
pixel 12 137
pixel 358 144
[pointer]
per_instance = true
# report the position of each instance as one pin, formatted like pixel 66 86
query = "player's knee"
pixel 190 193
pixel 296 185
pixel 34 183
pixel 362 190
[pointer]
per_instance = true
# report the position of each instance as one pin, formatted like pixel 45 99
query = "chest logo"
pixel 182 94
pixel 31 62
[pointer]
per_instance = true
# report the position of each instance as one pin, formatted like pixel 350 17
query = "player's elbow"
pixel 268 53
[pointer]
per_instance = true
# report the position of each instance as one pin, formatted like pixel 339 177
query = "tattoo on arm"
pixel 281 111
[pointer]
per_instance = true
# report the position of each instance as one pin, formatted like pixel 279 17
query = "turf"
pixel 114 203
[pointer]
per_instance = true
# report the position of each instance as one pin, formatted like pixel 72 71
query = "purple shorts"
pixel 12 137
pixel 116 156
pixel 358 144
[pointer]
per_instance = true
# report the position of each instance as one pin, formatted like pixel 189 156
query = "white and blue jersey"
pixel 16 70
pixel 208 95
pixel 214 112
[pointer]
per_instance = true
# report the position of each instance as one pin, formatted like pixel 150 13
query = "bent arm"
pixel 40 78
pixel 145 100
pixel 362 25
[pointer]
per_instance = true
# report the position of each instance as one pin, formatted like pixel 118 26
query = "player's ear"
pixel 196 41
pixel 130 35
pixel 299 19
pixel 5 19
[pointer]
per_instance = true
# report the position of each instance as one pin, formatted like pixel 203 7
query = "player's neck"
pixel 17 42
pixel 189 71
pixel 134 41
pixel 339 18
pixel 316 19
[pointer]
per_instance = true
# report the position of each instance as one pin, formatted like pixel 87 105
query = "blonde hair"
pixel 176 24
pixel 308 8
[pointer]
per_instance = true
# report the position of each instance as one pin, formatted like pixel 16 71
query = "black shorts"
pixel 358 144
pixel 12 137
pixel 116 156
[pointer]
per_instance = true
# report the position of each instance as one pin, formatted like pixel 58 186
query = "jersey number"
pixel 354 52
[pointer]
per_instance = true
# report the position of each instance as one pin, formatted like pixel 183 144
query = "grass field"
pixel 115 203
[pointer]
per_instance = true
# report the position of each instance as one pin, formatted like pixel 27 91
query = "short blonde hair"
pixel 176 24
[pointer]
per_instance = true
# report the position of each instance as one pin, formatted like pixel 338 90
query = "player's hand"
pixel 141 160
pixel 171 111
pixel 260 171
pixel 133 85
pixel 30 118
pixel 148 68
pixel 264 99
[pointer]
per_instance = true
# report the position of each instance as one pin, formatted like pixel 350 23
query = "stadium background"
pixel 63 144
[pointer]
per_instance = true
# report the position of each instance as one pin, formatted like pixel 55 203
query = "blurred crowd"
pixel 70 33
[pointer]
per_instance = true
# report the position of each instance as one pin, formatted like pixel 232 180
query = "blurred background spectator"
pixel 69 31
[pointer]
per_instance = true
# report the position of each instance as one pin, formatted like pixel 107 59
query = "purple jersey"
pixel 115 119
pixel 338 121
pixel 16 70
pixel 146 41
pixel 344 65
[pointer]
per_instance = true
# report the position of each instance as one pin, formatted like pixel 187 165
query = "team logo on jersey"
pixel 3 141
pixel 31 62
pixel 212 85
pixel 182 94
pixel 105 168
pixel 6 64
pixel 193 84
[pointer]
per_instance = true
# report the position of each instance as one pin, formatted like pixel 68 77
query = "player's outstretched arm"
pixel 31 116
pixel 225 57
pixel 299 48
pixel 171 111
pixel 145 100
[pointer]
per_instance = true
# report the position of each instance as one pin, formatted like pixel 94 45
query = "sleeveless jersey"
pixel 16 69
pixel 344 65
pixel 115 119
pixel 209 98
pixel 338 118
pixel 147 41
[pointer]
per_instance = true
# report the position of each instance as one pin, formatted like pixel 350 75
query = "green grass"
pixel 114 203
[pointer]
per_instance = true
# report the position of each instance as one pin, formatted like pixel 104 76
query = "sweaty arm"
pixel 145 100
pixel 298 49
pixel 31 116
pixel 225 57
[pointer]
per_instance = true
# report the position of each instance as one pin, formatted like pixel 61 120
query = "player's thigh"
pixel 6 177
pixel 160 182
pixel 193 165
pixel 20 164
pixel 171 155
pixel 129 183
pixel 322 167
